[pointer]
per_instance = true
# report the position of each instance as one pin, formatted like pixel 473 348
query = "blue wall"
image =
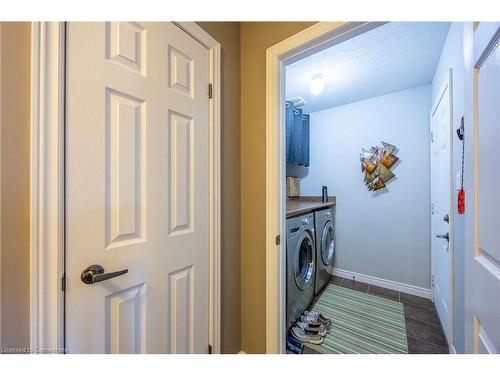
pixel 385 234
pixel 452 58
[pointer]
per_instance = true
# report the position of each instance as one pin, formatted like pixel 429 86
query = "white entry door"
pixel 441 257
pixel 483 219
pixel 137 189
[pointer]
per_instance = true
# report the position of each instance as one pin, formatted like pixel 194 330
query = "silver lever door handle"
pixel 95 273
pixel 445 236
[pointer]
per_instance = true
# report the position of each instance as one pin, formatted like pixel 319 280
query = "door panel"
pixel 484 265
pixel 125 321
pixel 181 172
pixel 136 188
pixel 181 314
pixel 125 169
pixel 126 45
pixel 441 198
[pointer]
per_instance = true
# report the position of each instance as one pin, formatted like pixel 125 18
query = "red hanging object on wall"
pixel 461 192
pixel 461 201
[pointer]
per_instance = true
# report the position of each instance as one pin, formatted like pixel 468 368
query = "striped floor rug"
pixel 362 323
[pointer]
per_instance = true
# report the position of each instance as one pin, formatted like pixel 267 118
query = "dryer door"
pixel 327 244
pixel 303 268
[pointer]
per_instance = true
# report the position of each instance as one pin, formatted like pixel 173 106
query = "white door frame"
pixel 447 84
pixel 47 194
pixel 313 39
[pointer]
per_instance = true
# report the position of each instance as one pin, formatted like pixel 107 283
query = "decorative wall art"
pixel 376 165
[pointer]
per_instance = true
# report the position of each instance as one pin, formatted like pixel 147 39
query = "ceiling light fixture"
pixel 317 84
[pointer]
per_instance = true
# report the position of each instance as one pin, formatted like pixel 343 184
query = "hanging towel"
pixel 297 135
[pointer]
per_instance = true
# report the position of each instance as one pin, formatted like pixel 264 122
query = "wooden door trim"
pixel 47 190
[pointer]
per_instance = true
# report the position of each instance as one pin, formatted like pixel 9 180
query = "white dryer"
pixel 325 247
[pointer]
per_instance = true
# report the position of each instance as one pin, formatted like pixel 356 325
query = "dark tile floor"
pixel 423 329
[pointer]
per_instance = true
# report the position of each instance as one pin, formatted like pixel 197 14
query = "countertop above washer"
pixel 304 204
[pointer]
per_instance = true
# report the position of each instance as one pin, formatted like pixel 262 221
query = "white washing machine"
pixel 325 247
pixel 300 266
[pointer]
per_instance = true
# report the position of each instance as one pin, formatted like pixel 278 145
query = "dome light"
pixel 317 84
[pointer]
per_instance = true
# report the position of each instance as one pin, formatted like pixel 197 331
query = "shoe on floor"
pixel 317 316
pixel 316 319
pixel 310 317
pixel 308 320
pixel 318 329
pixel 327 324
pixel 324 320
pixel 301 335
pixel 313 315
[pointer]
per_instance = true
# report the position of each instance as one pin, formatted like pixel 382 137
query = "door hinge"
pixel 63 282
pixel 209 349
pixel 210 91
pixel 278 240
pixel 432 281
pixel 432 136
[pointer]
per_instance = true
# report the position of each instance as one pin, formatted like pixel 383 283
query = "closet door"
pixel 137 213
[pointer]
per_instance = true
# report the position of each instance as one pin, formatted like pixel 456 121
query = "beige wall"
pixel 15 121
pixel 256 37
pixel 228 35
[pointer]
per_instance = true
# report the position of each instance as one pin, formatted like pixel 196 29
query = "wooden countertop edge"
pixel 302 205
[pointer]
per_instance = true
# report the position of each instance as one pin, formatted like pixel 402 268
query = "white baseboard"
pixel 400 287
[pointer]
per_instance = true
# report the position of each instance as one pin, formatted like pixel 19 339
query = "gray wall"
pixel 384 234
pixel 452 58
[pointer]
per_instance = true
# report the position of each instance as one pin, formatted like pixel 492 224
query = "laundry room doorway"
pixel 350 147
pixel 306 43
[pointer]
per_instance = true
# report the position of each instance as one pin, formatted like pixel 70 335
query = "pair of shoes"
pixel 319 328
pixel 313 317
pixel 306 335
pixel 312 327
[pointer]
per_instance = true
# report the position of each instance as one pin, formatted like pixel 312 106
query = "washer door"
pixel 327 244
pixel 304 261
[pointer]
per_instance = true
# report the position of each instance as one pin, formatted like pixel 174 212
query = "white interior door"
pixel 137 183
pixel 441 258
pixel 483 256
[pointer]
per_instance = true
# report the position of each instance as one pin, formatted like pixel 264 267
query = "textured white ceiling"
pixel 395 56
